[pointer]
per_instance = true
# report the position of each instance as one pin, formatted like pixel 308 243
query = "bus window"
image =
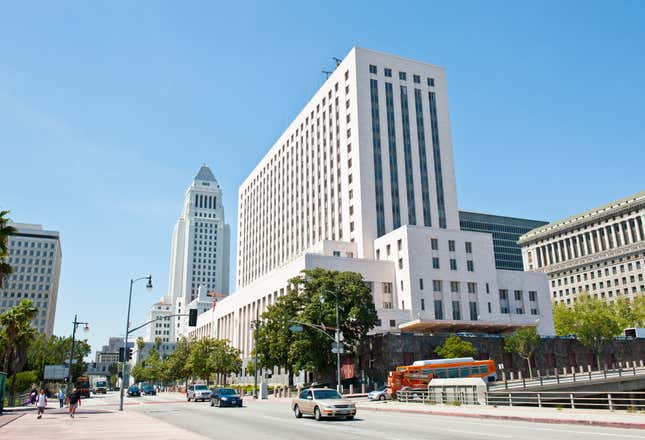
pixel 464 371
pixel 483 369
pixel 453 372
pixel 426 371
pixel 440 373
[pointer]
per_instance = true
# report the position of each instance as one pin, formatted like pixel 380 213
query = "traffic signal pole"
pixel 125 350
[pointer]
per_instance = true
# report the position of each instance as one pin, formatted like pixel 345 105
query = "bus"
pixel 82 384
pixel 420 373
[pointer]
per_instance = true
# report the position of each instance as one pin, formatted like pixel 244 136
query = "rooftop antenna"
pixel 327 73
pixel 338 60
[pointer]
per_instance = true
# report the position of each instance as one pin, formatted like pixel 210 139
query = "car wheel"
pixel 350 417
pixel 297 412
pixel 317 414
pixel 381 397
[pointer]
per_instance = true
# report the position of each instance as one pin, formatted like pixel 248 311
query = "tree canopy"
pixel 5 231
pixel 310 302
pixel 523 341
pixel 455 347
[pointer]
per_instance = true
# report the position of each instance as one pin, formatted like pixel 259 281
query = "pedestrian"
pixel 61 397
pixel 41 403
pixel 74 400
pixel 33 395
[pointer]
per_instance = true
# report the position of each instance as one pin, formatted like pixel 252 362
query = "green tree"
pixel 139 373
pixel 224 359
pixel 174 366
pixel 5 232
pixel 630 313
pixel 140 344
pixel 523 341
pixel 455 347
pixel 593 321
pixel 311 302
pixel 16 334
pixel 55 350
pixel 198 363
pixel 113 370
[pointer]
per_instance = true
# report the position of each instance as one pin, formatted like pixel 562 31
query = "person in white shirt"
pixel 41 403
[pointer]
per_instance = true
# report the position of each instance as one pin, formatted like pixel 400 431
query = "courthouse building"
pixel 600 251
pixel 363 180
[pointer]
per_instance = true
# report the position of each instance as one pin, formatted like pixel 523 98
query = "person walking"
pixel 74 400
pixel 61 397
pixel 41 403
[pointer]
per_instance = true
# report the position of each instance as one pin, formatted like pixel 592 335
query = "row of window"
pixel 33 244
pixel 403 76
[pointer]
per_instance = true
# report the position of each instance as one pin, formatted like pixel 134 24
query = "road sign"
pixel 337 347
pixel 335 350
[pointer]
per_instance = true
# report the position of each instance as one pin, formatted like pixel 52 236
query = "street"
pixel 273 419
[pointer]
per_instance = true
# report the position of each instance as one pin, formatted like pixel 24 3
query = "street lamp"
pixel 127 333
pixel 255 325
pixel 338 336
pixel 86 328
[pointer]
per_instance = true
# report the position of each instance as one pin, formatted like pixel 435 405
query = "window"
pixel 387 288
pixel 336 253
pixel 532 295
pixel 392 323
pixel 534 311
pixel 519 310
pixel 387 249
pixel 456 310
pixel 438 309
pixel 435 262
pixel 472 287
pixel 451 245
pixel 470 265
pixel 402 76
pixel 503 294
pixel 372 68
pixel 504 310
pixel 399 244
pixel 518 295
pixel 431 82
pixel 454 286
pixel 416 79
pixel 387 72
pixel 469 247
pixel 420 283
pixel 434 244
pixel 436 285
pixel 400 263
pixel 423 304
pixel 453 264
pixel 473 310
pixel 490 309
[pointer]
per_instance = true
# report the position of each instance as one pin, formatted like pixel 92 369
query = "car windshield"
pixel 201 387
pixel 382 388
pixel 326 394
pixel 226 391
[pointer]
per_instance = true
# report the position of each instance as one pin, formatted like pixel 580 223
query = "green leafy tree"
pixel 198 363
pixel 5 232
pixel 139 373
pixel 140 345
pixel 16 334
pixel 113 370
pixel 593 321
pixel 523 341
pixel 209 356
pixel 455 347
pixel 175 365
pixel 55 350
pixel 630 313
pixel 311 302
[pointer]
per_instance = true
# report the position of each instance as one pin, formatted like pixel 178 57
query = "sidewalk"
pixel 616 419
pixel 92 422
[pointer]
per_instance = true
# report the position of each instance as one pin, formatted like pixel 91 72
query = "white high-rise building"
pixel 200 246
pixel 363 180
pixel 35 255
pixel 163 325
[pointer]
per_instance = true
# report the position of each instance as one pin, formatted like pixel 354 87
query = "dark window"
pixel 435 262
pixel 416 79
pixel 372 68
pixel 402 76
pixel 387 72
pixel 431 82
pixel 438 309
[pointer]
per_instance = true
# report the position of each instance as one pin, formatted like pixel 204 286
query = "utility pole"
pixel 71 354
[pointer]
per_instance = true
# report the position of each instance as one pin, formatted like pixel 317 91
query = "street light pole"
pixel 71 354
pixel 337 336
pixel 255 325
pixel 127 333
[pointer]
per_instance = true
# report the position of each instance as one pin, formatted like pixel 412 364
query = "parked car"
pixel 225 397
pixel 198 392
pixel 380 394
pixel 322 402
pixel 148 390
pixel 134 391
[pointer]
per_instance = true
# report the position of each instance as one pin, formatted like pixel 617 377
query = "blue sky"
pixel 108 109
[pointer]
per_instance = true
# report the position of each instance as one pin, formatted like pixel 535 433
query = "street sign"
pixel 337 347
pixel 335 350
pixel 296 328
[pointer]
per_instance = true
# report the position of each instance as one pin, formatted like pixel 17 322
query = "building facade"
pixel 35 255
pixel 505 230
pixel 200 247
pixel 600 251
pixel 363 180
pixel 161 324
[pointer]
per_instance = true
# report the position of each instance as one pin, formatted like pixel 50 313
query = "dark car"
pixel 225 397
pixel 134 391
pixel 149 390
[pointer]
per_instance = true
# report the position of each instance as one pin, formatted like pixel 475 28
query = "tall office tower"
pixel 35 256
pixel 506 232
pixel 161 322
pixel 370 152
pixel 200 244
pixel 600 252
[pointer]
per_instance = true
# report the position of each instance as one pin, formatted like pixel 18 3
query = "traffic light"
pixel 121 354
pixel 129 353
pixel 192 318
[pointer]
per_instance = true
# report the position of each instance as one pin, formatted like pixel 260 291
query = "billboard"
pixel 55 372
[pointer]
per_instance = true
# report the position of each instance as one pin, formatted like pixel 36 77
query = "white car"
pixel 380 394
pixel 198 392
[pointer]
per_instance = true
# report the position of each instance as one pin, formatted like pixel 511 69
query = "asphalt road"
pixel 273 420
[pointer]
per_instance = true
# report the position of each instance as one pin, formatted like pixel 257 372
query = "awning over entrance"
pixel 446 326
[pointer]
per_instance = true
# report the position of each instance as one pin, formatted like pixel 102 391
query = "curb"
pixel 627 425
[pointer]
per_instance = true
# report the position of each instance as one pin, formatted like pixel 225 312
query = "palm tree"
pixel 140 345
pixel 16 334
pixel 5 231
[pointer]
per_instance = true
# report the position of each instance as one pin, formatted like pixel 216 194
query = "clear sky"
pixel 109 108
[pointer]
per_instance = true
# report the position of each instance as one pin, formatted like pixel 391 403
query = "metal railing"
pixel 630 401
pixel 567 375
